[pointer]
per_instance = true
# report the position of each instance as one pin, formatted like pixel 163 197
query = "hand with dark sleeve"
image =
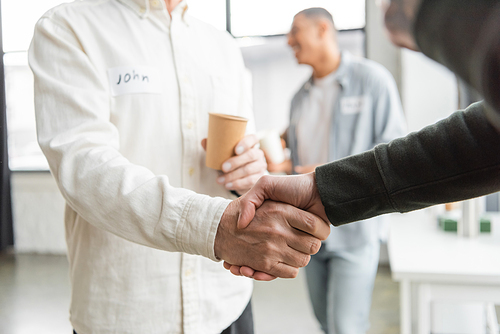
pixel 455 159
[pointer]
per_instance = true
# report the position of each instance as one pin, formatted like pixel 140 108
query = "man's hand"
pixel 297 190
pixel 279 239
pixel 300 191
pixel 242 171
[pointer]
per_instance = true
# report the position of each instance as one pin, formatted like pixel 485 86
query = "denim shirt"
pixel 367 112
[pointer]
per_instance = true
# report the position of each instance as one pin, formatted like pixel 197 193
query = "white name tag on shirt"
pixel 133 80
pixel 352 105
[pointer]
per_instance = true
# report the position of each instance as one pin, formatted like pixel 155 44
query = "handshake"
pixel 273 229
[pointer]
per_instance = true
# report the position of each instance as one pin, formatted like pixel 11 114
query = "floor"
pixel 283 306
pixel 36 287
pixel 34 294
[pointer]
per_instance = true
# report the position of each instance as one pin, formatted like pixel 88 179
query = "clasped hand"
pixel 263 237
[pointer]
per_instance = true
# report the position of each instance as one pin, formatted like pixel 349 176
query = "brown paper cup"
pixel 224 132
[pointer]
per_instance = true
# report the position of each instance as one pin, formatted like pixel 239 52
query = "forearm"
pixel 452 160
pixel 128 200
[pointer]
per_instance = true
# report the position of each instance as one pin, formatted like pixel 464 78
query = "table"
pixel 433 265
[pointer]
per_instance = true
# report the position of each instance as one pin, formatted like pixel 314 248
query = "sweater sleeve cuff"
pixel 352 189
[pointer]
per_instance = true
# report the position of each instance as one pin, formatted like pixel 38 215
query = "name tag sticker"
pixel 352 105
pixel 134 79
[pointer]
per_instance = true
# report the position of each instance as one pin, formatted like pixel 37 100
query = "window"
pixel 18 20
pixel 24 152
pixel 17 30
pixel 274 17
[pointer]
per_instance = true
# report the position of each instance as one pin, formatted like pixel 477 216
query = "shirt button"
pixel 188 273
pixel 191 171
pixel 142 10
pixel 185 79
pixel 155 3
pixel 190 125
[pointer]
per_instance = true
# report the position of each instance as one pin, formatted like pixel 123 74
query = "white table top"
pixel 420 251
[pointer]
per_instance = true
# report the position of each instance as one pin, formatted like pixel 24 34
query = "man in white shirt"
pixel 348 106
pixel 123 89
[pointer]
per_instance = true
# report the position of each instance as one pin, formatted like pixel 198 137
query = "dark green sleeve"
pixel 455 159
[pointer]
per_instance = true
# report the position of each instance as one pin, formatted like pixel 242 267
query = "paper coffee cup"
pixel 270 142
pixel 224 132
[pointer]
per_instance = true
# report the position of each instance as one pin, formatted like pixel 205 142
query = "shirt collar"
pixel 341 75
pixel 143 8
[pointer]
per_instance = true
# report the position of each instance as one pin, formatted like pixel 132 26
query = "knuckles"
pixel 264 181
pixel 315 246
pixel 256 178
pixel 252 154
pixel 315 226
pixel 294 273
pixel 247 169
pixel 267 263
pixel 310 223
pixel 304 261
pixel 267 248
pixel 271 208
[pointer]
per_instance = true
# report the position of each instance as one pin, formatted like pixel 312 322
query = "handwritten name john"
pixel 127 77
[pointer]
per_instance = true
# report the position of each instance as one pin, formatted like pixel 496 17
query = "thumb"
pixel 204 143
pixel 252 200
pixel 246 214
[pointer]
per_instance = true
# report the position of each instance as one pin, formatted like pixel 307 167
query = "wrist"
pixel 228 220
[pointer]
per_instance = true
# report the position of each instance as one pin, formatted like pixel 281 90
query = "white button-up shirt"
pixel 122 94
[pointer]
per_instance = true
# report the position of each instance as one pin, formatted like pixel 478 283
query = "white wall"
pixel 276 77
pixel 429 90
pixel 38 213
pixel 378 46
